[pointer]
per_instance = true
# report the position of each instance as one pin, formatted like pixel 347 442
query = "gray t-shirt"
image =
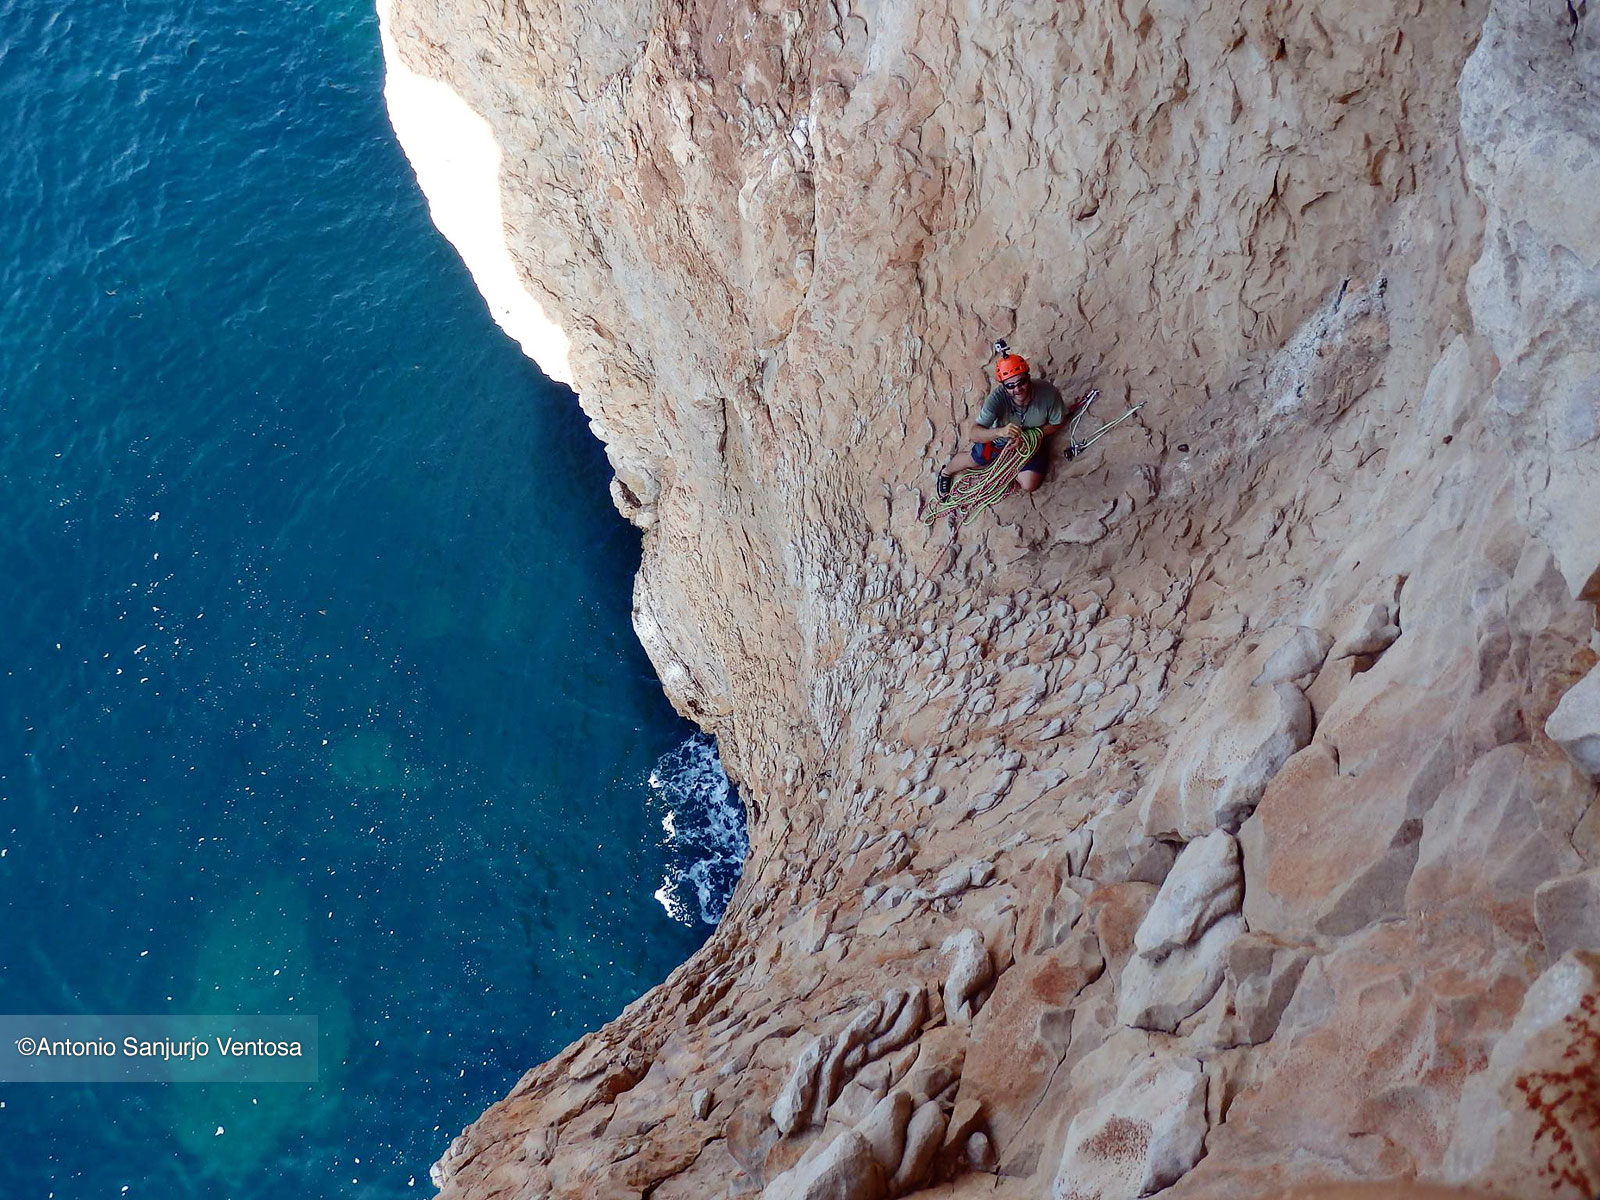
pixel 1045 407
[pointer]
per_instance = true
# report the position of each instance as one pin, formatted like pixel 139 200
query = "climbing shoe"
pixel 941 485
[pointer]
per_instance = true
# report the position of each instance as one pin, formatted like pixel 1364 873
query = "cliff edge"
pixel 1219 818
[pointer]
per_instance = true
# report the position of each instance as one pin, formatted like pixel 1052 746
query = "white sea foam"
pixel 705 834
pixel 457 162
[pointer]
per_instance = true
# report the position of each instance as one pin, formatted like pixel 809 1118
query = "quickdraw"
pixel 1077 445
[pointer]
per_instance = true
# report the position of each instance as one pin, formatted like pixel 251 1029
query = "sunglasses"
pixel 1016 385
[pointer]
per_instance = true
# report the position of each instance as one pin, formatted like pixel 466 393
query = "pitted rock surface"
pixel 1329 597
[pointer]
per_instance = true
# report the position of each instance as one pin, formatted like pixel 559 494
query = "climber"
pixel 1018 402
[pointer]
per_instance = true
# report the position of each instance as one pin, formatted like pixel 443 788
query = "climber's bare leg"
pixel 961 462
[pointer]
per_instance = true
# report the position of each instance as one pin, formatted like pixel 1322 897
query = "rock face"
pixel 1143 1136
pixel 1575 724
pixel 1250 758
pixel 1253 719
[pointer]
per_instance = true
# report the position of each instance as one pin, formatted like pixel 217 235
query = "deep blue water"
pixel 317 689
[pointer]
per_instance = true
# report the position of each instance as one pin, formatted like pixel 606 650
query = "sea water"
pixel 704 831
pixel 317 687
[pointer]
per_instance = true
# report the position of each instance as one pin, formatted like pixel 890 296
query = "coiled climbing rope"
pixel 973 491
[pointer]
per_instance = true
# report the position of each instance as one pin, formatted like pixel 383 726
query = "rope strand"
pixel 975 490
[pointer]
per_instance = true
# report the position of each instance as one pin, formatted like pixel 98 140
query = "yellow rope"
pixel 973 491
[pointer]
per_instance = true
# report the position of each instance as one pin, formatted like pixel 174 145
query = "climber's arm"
pixel 978 432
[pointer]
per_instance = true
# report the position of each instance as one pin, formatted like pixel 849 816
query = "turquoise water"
pixel 317 690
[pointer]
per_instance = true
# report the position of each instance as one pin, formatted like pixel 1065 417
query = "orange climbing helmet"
pixel 1012 366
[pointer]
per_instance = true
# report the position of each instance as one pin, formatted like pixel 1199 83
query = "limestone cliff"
pixel 1220 817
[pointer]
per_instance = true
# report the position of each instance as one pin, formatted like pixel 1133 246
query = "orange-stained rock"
pixel 1115 913
pixel 1488 842
pixel 1530 1123
pixel 1022 1034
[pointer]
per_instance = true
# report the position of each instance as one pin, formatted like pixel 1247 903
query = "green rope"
pixel 973 491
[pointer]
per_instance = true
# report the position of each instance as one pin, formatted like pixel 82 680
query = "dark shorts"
pixel 984 453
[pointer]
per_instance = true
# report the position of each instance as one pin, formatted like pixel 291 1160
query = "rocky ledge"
pixel 1219 818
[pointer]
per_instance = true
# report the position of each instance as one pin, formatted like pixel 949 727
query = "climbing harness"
pixel 973 491
pixel 1077 445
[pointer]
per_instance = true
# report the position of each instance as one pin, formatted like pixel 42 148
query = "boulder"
pixel 845 1169
pixel 966 1118
pixel 1371 631
pixel 1261 973
pixel 885 1129
pixel 904 1011
pixel 1567 911
pixel 1527 1124
pixel 1206 883
pixel 1215 771
pixel 1302 654
pixel 1575 724
pixel 924 1137
pixel 791 1111
pixel 1121 852
pixel 978 1150
pixel 970 974
pixel 1158 995
pixel 1141 1137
